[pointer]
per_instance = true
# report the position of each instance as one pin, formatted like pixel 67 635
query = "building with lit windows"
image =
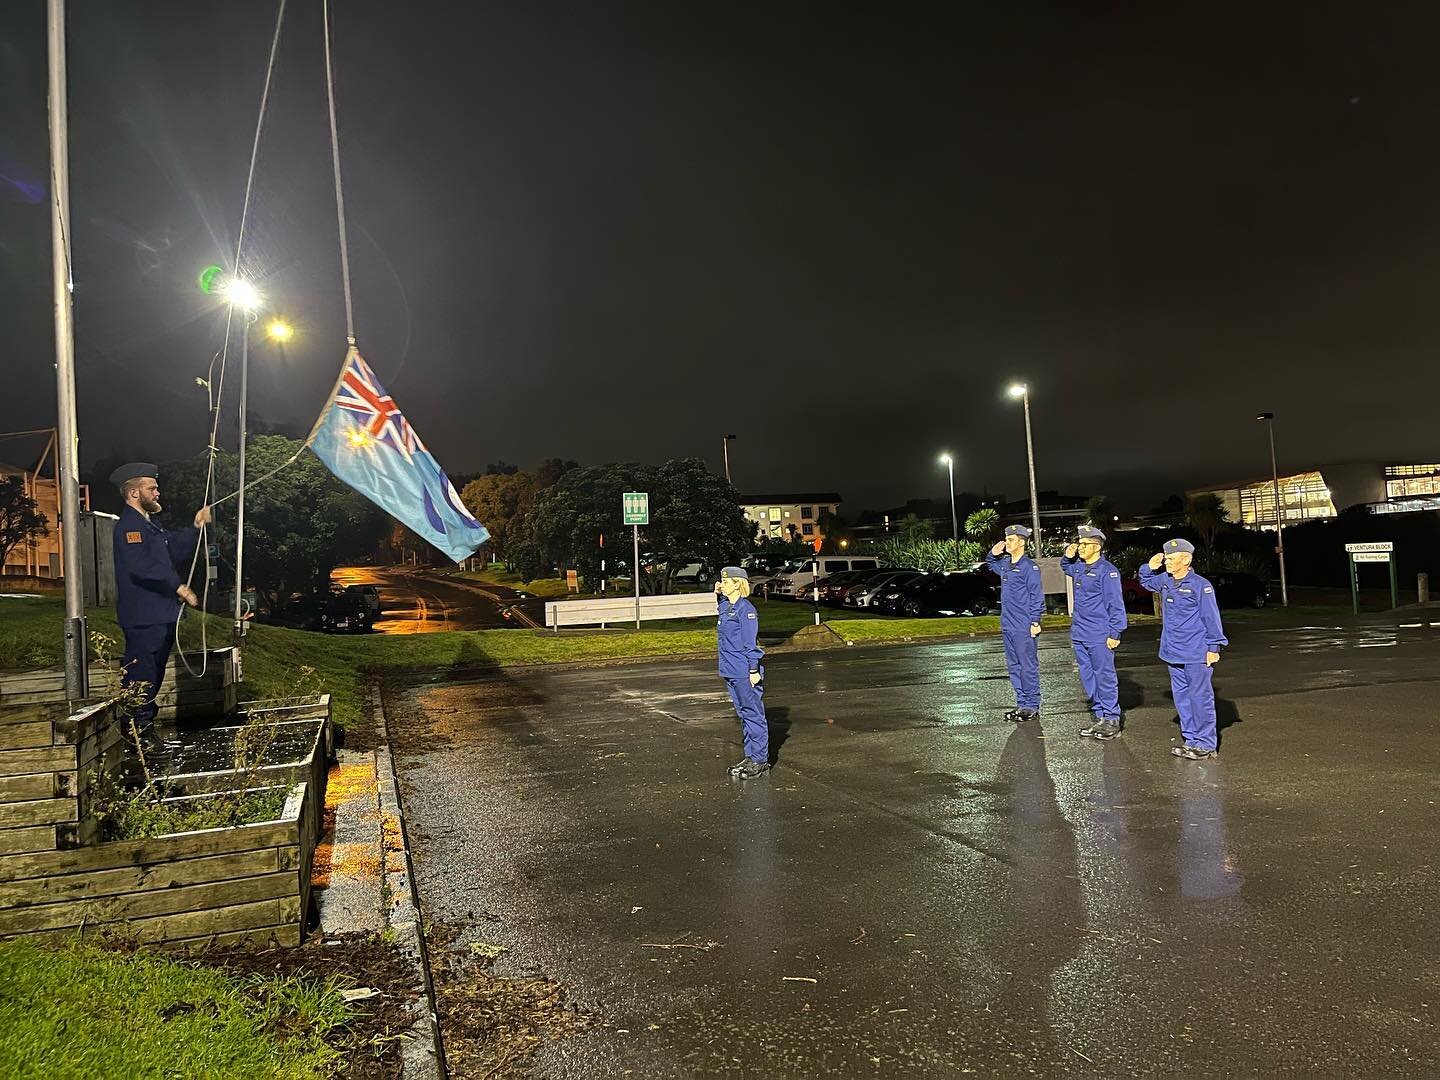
pixel 1325 491
pixel 790 516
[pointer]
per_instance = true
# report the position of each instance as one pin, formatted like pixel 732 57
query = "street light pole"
pixel 954 519
pixel 1269 418
pixel 725 448
pixel 67 471
pixel 1022 391
pixel 240 495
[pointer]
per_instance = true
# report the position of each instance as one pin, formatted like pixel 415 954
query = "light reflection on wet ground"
pixel 966 894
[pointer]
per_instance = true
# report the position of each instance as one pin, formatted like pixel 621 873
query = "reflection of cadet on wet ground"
pixel 1204 862
pixel 1045 916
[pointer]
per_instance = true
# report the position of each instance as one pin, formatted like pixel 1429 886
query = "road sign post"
pixel 1376 551
pixel 636 505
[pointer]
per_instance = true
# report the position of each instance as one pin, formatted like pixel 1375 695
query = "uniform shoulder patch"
pixel 1209 589
pixel 751 615
pixel 133 538
pixel 1114 573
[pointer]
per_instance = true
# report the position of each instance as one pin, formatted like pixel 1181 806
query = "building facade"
pixel 1327 490
pixel 790 516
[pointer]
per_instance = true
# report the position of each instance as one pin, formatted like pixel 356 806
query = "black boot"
pixel 749 770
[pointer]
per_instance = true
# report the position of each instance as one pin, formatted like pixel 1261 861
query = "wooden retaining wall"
pixel 250 882
pixel 182 695
pixel 47 755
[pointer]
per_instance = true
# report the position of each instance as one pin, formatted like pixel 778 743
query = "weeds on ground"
pixel 129 811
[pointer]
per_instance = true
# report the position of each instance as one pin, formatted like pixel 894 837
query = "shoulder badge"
pixel 132 538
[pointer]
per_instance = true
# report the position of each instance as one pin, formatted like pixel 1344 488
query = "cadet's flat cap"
pixel 735 572
pixel 1089 532
pixel 133 470
pixel 1017 530
pixel 1172 546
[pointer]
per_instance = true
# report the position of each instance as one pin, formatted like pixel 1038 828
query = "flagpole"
pixel 67 471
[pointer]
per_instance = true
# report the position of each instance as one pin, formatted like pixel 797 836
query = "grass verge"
pixel 275 655
pixel 549 588
pixel 79 1010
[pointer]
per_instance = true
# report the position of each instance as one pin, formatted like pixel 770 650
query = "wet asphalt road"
pixel 412 604
pixel 967 896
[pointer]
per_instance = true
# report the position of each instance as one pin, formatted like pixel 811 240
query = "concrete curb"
pixel 423 1052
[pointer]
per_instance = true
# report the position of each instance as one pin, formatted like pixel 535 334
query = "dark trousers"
pixel 1022 660
pixel 1194 690
pixel 1097 675
pixel 147 652
pixel 749 704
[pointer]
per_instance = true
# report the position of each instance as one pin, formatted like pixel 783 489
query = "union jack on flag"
pixel 365 440
pixel 360 393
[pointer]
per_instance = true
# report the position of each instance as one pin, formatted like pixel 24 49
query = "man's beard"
pixel 150 506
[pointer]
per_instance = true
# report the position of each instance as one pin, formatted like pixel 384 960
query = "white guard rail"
pixel 619 609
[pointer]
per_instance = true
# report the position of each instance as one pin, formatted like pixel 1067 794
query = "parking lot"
pixel 921 889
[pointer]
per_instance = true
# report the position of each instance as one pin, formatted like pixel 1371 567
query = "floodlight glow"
pixel 945 459
pixel 280 331
pixel 241 293
pixel 1017 390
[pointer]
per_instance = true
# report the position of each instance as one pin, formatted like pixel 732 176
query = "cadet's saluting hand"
pixel 1070 550
pixel 998 548
pixel 1157 560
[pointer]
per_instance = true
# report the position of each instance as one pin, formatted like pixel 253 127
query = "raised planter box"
pixel 230 884
pixel 182 695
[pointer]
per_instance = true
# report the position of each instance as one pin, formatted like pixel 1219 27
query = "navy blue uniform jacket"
pixel 738 627
pixel 145 575
pixel 1192 617
pixel 1022 597
pixel 1099 602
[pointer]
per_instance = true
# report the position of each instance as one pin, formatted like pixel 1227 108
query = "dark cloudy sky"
pixel 617 231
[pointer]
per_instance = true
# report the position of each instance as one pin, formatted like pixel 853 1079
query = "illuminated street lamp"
pixel 243 295
pixel 279 331
pixel 1269 418
pixel 1021 391
pixel 949 463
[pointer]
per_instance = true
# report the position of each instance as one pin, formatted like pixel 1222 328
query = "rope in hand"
pixel 200 542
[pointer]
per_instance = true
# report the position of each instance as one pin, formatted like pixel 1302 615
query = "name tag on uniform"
pixel 133 538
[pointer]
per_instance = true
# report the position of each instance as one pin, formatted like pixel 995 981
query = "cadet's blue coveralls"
pixel 146 605
pixel 1022 602
pixel 1192 628
pixel 1099 614
pixel 737 630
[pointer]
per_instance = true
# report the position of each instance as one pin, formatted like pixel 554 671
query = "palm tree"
pixel 1100 511
pixel 1206 514
pixel 982 525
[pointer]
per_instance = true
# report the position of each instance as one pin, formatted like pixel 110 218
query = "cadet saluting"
pixel 1095 628
pixel 1022 602
pixel 1190 643
pixel 148 591
pixel 737 630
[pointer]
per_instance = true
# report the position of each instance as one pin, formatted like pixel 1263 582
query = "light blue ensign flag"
pixel 364 440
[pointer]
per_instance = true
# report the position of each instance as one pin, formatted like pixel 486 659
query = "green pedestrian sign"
pixel 637 507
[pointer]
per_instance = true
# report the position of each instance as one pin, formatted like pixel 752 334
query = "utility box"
pixel 97 557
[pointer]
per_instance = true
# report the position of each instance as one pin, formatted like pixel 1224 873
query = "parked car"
pixel 1236 589
pixel 832 589
pixel 1233 589
pixel 797 582
pixel 696 574
pixel 345 611
pixel 369 598
pixel 953 595
pixel 891 599
pixel 863 594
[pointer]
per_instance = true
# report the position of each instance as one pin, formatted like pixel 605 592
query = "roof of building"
pixel 793 497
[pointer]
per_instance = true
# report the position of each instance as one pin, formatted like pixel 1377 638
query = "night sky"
pixel 617 231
